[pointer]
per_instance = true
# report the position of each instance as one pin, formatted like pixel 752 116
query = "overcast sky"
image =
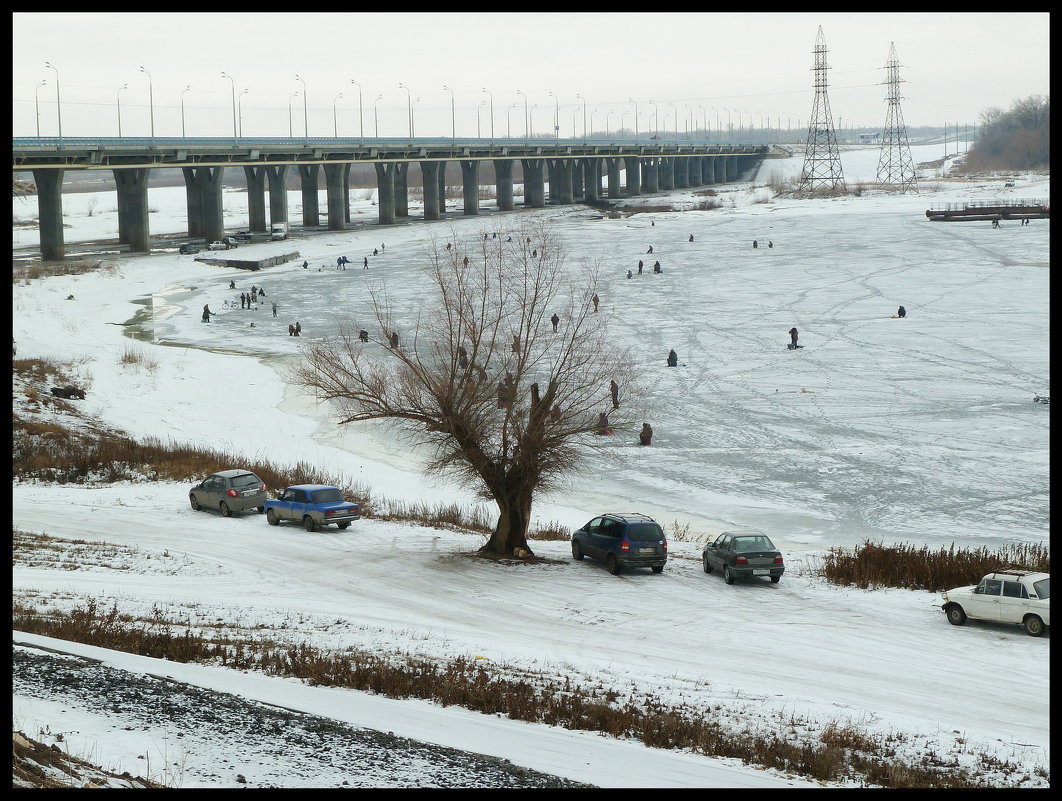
pixel 704 69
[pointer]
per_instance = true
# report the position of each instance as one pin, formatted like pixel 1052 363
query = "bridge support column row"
pixel 503 171
pixel 612 177
pixel 429 171
pixel 470 184
pixel 205 209
pixel 634 178
pixel 50 213
pixel 256 182
pixel 337 195
pixel 534 183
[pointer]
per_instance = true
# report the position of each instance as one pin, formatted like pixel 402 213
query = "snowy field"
pixel 921 430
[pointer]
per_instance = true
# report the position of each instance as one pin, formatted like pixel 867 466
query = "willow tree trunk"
pixel 513 520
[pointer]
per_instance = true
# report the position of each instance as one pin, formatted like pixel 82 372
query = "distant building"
pixel 869 138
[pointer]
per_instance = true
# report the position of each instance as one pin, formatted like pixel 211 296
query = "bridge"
pixel 573 168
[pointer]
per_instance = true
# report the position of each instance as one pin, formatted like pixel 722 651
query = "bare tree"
pixel 507 403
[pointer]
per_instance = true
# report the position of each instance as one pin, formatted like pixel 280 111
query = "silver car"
pixel 229 491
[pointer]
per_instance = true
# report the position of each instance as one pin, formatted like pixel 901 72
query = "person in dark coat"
pixel 629 273
pixel 595 300
pixel 755 244
pixel 448 246
pixel 516 343
pixel 243 300
pixel 645 436
pixel 207 313
pixel 274 308
pixel 462 357
pixel 901 312
pixel 555 320
pixel 232 284
pixel 691 237
pixel 793 334
pixel 298 328
pixel 672 359
pixel 291 330
pixel 534 253
pixel 466 261
pixel 650 249
pixel 770 244
pixel 394 339
pixel 305 265
pixel 363 335
pixel 365 265
pixel 375 252
pixel 614 391
pixel 657 268
pixel 639 266
pixel 602 424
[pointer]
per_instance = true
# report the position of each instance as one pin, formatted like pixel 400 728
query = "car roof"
pixel 629 517
pixel 1031 574
pixel 234 473
pixel 744 532
pixel 311 487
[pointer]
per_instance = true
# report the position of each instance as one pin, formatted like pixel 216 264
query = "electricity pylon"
pixel 894 165
pixel 822 161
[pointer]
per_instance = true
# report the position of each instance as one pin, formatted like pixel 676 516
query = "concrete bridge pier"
pixel 578 189
pixel 560 182
pixel 256 181
pixel 442 188
pixel 278 194
pixel 732 167
pixel 634 175
pixel 193 202
pixel 534 184
pixel 401 190
pixel 336 195
pixel 612 172
pixel 212 218
pixel 470 182
pixel 720 169
pixel 429 171
pixel 695 170
pixel 385 191
pixel 50 213
pixel 133 227
pixel 682 172
pixel 708 170
pixel 503 171
pixel 666 172
pixel 591 180
pixel 652 179
pixel 311 205
pixel 551 177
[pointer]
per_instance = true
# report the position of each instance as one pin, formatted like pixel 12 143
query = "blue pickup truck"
pixel 313 505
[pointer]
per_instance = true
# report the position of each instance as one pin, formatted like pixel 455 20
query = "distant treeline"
pixel 1018 139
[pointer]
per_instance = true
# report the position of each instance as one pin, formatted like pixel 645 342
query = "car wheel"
pixel 272 519
pixel 707 564
pixel 307 523
pixel 1034 627
pixel 612 565
pixel 658 568
pixel 225 510
pixel 728 577
pixel 343 525
pixel 775 579
pixel 195 504
pixel 955 615
pixel 577 552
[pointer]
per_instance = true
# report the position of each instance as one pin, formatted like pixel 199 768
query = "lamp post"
pixel 292 96
pixel 531 117
pixel 409 107
pixel 717 129
pixel 58 106
pixel 186 89
pixel 704 119
pixel 151 101
pixel 508 122
pixel 453 113
pixel 413 117
pixel 608 125
pixel 305 111
pixel 118 97
pixel 632 100
pixel 335 117
pixel 239 109
pixel 234 134
pixel 482 103
pixel 556 116
pixel 491 95
pixel 37 106
pixel 673 106
pixel 526 122
pixel 361 119
pixel 376 115
pixel 689 130
pixel 656 118
pixel 584 113
pixel 592 113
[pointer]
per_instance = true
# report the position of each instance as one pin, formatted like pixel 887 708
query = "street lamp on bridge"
pixel 409 109
pixel 292 96
pixel 656 118
pixel 556 116
pixel 235 136
pixel 361 118
pixel 239 109
pixel 584 113
pixel 453 113
pixel 186 89
pixel 58 106
pixel 37 105
pixel 151 101
pixel 118 98
pixel 632 100
pixel 305 112
pixel 376 114
pixel 335 118
pixel 491 95
pixel 526 122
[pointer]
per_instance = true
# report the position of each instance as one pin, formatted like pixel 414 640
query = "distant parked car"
pixel 230 241
pixel 740 554
pixel 243 236
pixel 1008 183
pixel 188 247
pixel 1008 596
pixel 622 541
pixel 312 505
pixel 229 491
pixel 217 246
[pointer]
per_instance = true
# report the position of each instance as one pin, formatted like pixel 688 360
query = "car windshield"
pixel 750 544
pixel 644 532
pixel 246 481
pixel 326 495
pixel 1043 588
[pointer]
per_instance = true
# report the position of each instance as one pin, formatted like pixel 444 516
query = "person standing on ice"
pixel 554 319
pixel 901 312
pixel 793 334
pixel 672 359
pixel 629 273
pixel 691 237
pixel 639 266
pixel 755 244
pixel 614 391
pixel 645 436
pixel 207 313
pixel 650 249
pixel 274 308
pixel 595 301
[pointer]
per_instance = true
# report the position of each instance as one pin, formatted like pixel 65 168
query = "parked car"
pixel 312 505
pixel 229 491
pixel 622 541
pixel 230 241
pixel 740 554
pixel 217 246
pixel 188 247
pixel 1009 596
pixel 243 236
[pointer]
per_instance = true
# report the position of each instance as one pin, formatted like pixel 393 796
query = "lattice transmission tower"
pixel 894 165
pixel 822 161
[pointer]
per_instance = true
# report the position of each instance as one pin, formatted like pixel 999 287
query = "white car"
pixel 1009 596
pixel 218 246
